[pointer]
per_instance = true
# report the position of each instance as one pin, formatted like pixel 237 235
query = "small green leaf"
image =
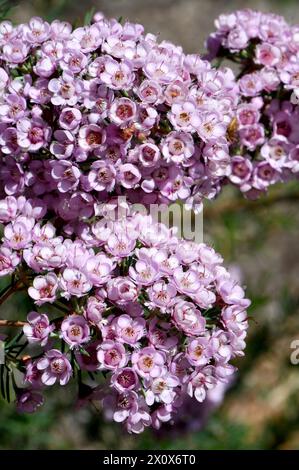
pixel 88 16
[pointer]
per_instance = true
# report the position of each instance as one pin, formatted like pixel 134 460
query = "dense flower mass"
pixel 106 109
pixel 160 317
pixel 266 131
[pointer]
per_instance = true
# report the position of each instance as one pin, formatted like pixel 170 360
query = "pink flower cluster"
pixel 105 109
pixel 159 316
pixel 266 49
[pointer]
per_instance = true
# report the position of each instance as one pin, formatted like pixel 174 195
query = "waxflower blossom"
pixel 266 114
pixel 138 313
pixel 115 108
pixel 38 328
pixel 94 113
pixel 75 330
pixel 55 366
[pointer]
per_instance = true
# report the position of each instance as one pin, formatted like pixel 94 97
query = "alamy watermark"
pixel 188 224
pixel 294 357
pixel 295 96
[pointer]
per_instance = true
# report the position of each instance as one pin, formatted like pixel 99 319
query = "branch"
pixel 6 293
pixel 15 323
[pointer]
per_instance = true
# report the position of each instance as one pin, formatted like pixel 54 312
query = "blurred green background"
pixel 261 411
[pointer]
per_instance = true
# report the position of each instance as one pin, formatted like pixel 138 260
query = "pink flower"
pixel 63 146
pixel 15 51
pixel 13 109
pixel 63 90
pixel 267 54
pixel 102 176
pixel 37 30
pixel 129 175
pixel 162 390
pixel 198 352
pixel 188 318
pixel 183 116
pixel 44 289
pixel 120 244
pixel 129 330
pixel 98 269
pixel 75 330
pixel 38 328
pixel 200 382
pixel 18 234
pixel 144 272
pixel 210 126
pixel 112 355
pixel 252 136
pixel 148 362
pixel 117 75
pixel 70 118
pixel 161 295
pixel 149 155
pixel 241 170
pixel 187 282
pixel 9 260
pixel 178 147
pixel 55 366
pixel 125 379
pixel 91 137
pixel 231 292
pixel 66 175
pixel 94 310
pixel 122 111
pixel 122 290
pixel 74 282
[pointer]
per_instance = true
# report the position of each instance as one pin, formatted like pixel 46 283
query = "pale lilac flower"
pixel 111 355
pixel 125 379
pixel 188 318
pixel 38 328
pixel 44 289
pixel 64 144
pixel 32 134
pixel 161 295
pixel 122 111
pixel 15 51
pixel 18 235
pixel 199 352
pixel 102 176
pixel 94 309
pixel 148 362
pixel 98 269
pixel 74 282
pixel 187 282
pixel 200 382
pixel 55 366
pixel 75 330
pixel 9 260
pixel 70 118
pixel 122 290
pixel 37 30
pixel 162 390
pixel 129 330
pixel 117 75
pixel 91 137
pixel 65 174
